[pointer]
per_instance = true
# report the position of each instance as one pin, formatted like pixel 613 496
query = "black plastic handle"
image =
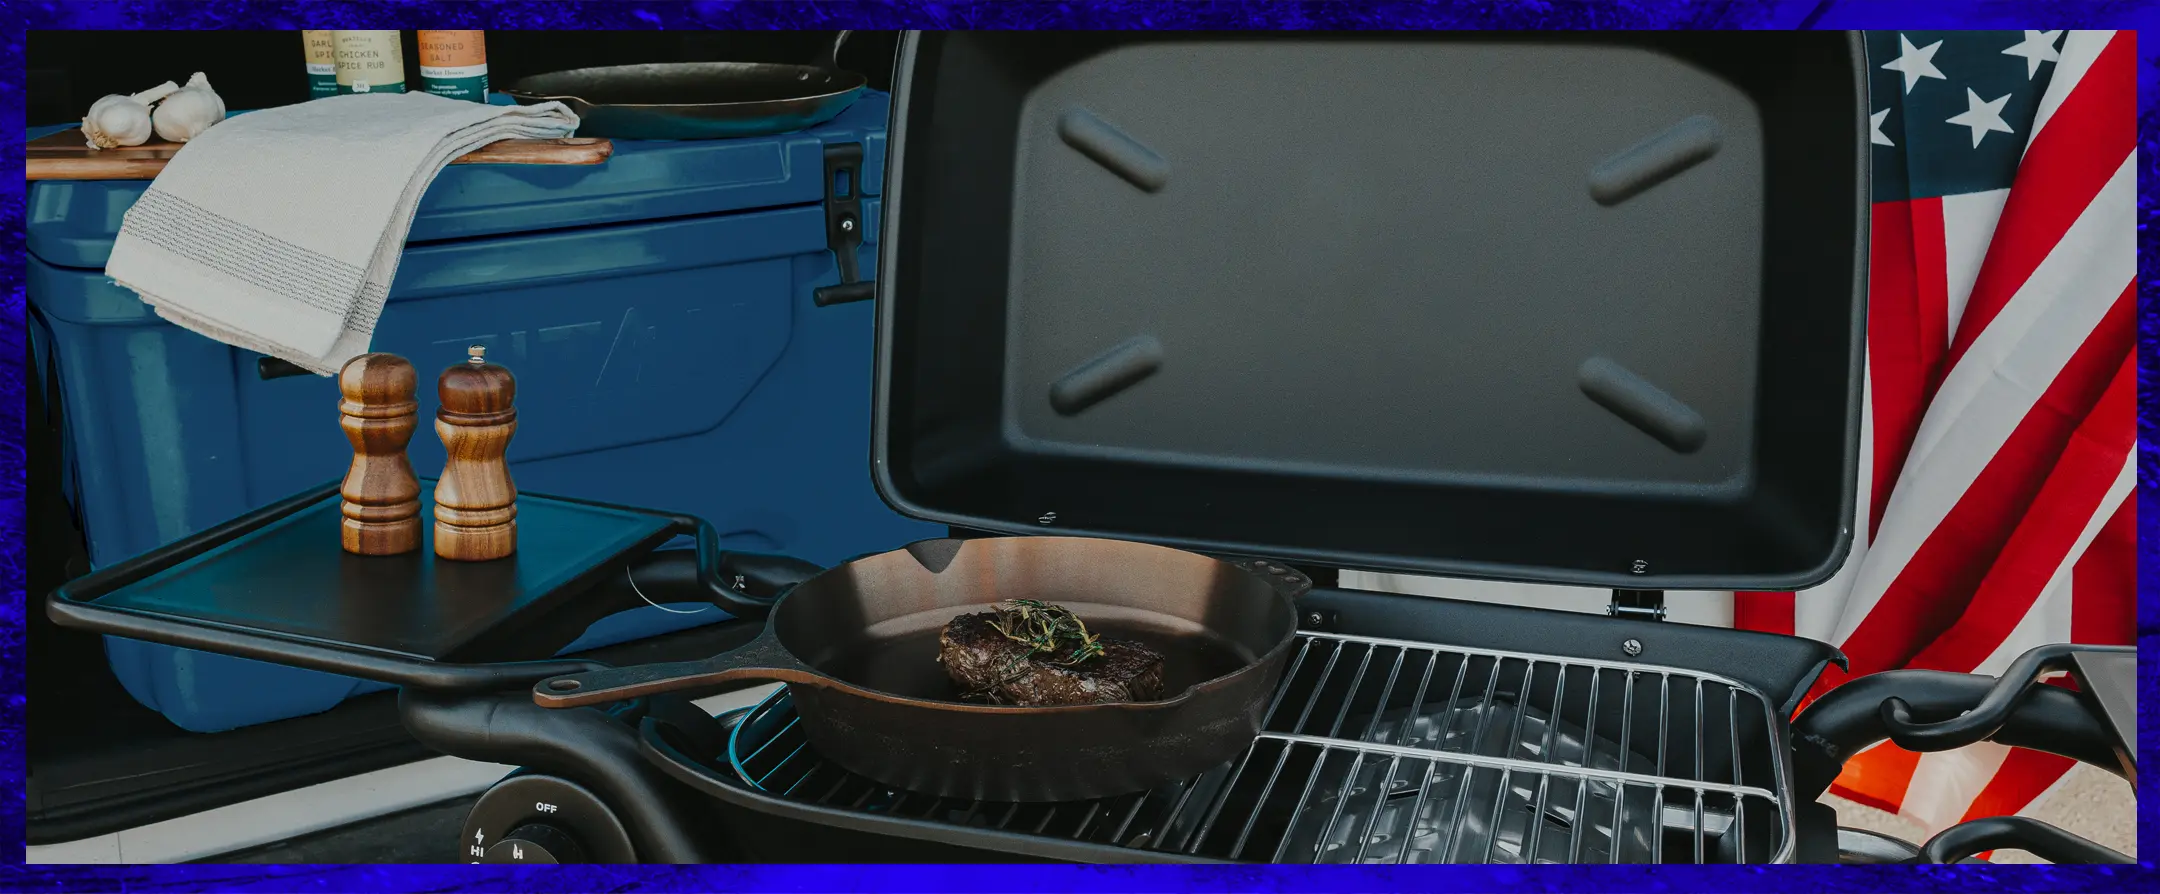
pixel 1913 733
pixel 1851 717
pixel 2032 836
pixel 844 293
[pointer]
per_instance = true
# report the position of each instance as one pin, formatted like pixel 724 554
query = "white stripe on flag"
pixel 1944 784
pixel 2079 49
pixel 1968 226
pixel 2045 321
pixel 1993 388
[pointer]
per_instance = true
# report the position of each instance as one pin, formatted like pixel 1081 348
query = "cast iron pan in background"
pixel 698 100
pixel 857 646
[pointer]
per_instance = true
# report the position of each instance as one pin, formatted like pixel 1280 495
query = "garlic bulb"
pixel 118 120
pixel 191 110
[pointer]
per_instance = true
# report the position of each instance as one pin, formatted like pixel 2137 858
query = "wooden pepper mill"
pixel 381 497
pixel 475 503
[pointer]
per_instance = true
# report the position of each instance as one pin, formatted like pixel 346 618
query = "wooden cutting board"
pixel 64 156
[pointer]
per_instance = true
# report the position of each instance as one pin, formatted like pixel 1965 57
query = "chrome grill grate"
pixel 1388 751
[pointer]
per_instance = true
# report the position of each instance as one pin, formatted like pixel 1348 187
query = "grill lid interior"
pixel 1578 309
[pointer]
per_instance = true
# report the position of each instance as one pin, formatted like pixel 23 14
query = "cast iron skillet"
pixel 857 646
pixel 698 100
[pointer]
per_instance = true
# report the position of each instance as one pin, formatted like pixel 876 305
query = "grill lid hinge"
pixel 1641 605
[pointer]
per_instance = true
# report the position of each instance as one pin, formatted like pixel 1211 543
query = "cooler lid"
pixel 1582 309
pixel 74 222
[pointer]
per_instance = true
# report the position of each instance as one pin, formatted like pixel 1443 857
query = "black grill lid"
pixel 1580 309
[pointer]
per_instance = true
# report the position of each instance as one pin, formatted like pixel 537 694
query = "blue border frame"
pixel 1025 14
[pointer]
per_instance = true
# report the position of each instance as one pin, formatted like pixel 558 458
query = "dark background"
pixel 69 70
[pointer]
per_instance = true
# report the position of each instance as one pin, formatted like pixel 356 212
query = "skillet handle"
pixel 762 659
pixel 831 60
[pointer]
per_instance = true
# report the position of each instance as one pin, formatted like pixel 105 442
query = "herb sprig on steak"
pixel 1035 654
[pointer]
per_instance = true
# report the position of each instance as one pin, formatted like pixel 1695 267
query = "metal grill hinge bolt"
pixel 1641 605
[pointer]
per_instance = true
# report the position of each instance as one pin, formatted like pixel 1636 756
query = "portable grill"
pixel 1340 301
pixel 1387 751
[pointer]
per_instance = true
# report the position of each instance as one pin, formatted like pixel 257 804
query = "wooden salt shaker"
pixel 381 497
pixel 475 503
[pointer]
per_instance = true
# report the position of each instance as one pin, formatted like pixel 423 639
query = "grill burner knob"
pixel 536 843
pixel 537 818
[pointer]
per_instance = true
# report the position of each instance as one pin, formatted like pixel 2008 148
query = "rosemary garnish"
pixel 1047 630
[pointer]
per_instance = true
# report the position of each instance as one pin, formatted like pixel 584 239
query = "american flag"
pixel 1995 510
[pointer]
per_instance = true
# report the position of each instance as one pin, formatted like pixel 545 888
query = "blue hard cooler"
pixel 656 310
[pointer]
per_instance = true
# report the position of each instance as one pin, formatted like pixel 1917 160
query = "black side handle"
pixel 1915 734
pixel 1955 844
pixel 274 368
pixel 845 293
pixel 1850 718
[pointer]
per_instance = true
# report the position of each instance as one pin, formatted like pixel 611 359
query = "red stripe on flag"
pixel 2046 531
pixel 2103 586
pixel 1897 372
pixel 2066 165
pixel 1938 581
pixel 1931 297
pixel 1763 612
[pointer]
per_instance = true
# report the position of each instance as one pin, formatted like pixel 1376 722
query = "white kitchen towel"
pixel 280 230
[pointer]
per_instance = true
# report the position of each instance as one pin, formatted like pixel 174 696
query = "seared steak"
pixel 1013 657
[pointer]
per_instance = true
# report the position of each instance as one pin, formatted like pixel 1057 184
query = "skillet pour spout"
pixel 857 646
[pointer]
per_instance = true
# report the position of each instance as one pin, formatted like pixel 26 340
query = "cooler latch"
pixel 1641 605
pixel 844 224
